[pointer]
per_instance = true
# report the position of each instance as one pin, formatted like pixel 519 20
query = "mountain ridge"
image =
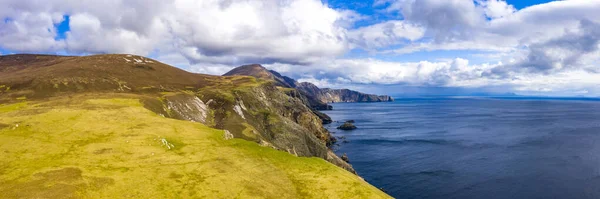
pixel 318 96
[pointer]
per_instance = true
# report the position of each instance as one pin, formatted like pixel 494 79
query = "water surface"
pixel 475 148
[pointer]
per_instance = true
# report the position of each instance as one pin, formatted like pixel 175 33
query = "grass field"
pixel 112 147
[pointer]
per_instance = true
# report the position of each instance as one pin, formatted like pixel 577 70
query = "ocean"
pixel 474 147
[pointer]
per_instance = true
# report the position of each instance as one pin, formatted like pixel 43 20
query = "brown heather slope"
pixel 42 75
pixel 249 108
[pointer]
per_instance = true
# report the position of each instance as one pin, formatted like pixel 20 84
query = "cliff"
pixel 114 111
pixel 315 97
pixel 327 95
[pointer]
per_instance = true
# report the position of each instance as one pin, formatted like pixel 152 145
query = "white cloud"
pixel 29 31
pixel 356 73
pixel 456 24
pixel 209 31
pixel 496 8
pixel 91 35
pixel 542 47
pixel 372 71
pixel 254 31
pixel 385 34
pixel 444 20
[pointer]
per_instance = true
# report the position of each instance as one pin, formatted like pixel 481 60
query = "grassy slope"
pixel 111 148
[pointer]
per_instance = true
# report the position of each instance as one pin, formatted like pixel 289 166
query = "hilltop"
pixel 42 75
pixel 258 71
pixel 114 125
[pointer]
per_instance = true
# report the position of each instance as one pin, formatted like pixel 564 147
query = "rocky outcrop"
pixel 347 126
pixel 186 107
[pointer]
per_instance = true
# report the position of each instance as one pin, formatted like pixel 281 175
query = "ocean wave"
pixel 435 173
pixel 408 141
pixel 436 142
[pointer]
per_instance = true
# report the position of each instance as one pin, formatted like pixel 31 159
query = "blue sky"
pixel 394 47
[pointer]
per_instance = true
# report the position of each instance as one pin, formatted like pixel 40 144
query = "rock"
pixel 166 143
pixel 345 158
pixel 383 190
pixel 345 141
pixel 332 141
pixel 227 135
pixel 347 126
pixel 324 117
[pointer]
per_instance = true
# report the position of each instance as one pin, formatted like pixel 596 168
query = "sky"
pixel 395 47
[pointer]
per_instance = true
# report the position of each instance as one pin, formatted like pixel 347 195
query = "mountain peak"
pixel 255 70
pixel 259 71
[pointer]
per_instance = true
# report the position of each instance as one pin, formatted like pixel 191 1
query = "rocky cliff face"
pixel 327 95
pixel 345 95
pixel 260 113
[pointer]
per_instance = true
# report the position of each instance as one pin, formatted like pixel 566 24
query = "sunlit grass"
pixel 114 148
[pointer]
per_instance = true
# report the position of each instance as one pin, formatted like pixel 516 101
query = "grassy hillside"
pixel 249 108
pixel 110 146
pixel 127 126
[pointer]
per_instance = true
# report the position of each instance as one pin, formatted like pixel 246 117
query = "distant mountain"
pixel 316 96
pixel 328 95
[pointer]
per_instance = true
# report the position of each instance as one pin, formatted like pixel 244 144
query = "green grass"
pixel 12 107
pixel 112 148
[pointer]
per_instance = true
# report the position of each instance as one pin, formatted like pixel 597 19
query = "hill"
pixel 258 71
pixel 316 97
pixel 128 126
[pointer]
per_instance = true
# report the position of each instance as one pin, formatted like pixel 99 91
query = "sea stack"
pixel 347 126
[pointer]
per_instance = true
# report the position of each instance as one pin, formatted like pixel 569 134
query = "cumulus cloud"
pixel 493 23
pixel 563 53
pixel 445 20
pixel 455 73
pixel 210 31
pixel 540 47
pixel 91 35
pixel 494 9
pixel 545 38
pixel 371 71
pixel 298 31
pixel 385 34
pixel 29 31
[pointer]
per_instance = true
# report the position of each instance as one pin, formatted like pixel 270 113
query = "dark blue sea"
pixel 475 147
